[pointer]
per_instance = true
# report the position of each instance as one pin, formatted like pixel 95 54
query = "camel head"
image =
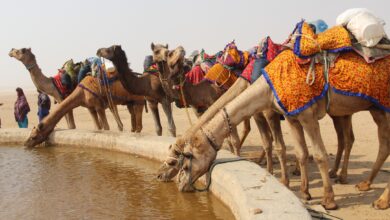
pixel 24 55
pixel 38 134
pixel 177 64
pixel 160 52
pixel 189 159
pixel 112 53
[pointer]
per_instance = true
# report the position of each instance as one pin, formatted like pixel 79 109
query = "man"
pixel 44 104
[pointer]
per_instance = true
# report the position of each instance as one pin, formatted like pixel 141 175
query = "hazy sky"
pixel 59 30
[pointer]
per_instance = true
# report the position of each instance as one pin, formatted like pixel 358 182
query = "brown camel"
pixel 200 150
pixel 147 85
pixel 89 95
pixel 383 201
pixel 40 81
pixel 268 122
pixel 46 85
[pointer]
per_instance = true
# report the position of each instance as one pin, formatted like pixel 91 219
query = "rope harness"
pixel 311 71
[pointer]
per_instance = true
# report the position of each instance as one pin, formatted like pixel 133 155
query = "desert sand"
pixel 352 203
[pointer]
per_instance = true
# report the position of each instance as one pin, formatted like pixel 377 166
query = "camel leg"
pixel 102 115
pixel 265 134
pixel 302 155
pixel 349 138
pixel 166 104
pixel 114 111
pixel 273 119
pixel 138 109
pixel 95 118
pixel 130 108
pixel 70 120
pixel 309 122
pixel 384 200
pixel 69 116
pixel 384 147
pixel 234 142
pixel 337 123
pixel 156 116
pixel 245 131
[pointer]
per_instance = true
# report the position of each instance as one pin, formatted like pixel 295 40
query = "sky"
pixel 59 30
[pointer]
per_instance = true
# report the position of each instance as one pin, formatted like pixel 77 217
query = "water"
pixel 80 183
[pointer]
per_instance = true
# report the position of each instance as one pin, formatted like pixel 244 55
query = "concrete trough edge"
pixel 247 189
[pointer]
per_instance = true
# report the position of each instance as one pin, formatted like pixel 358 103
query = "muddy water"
pixel 79 183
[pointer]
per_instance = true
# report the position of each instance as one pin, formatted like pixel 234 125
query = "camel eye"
pixel 172 162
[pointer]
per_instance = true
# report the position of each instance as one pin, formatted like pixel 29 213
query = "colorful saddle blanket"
pixel 116 90
pixel 307 43
pixel 351 76
pixel 221 76
pixel 195 75
pixel 152 69
pixel 62 81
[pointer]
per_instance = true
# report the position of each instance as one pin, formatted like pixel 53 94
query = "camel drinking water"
pixel 200 149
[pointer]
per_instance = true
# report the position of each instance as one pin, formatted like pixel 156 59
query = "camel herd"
pixel 219 112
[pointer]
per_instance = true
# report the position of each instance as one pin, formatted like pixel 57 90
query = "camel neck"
pixel 71 102
pixel 40 81
pixel 132 83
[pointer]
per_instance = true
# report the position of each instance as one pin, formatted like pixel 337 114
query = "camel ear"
pixel 29 49
pixel 152 46
pixel 120 46
pixel 166 46
pixel 40 127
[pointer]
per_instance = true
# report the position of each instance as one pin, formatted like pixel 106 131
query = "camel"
pixel 41 82
pixel 91 97
pixel 46 85
pixel 383 202
pixel 147 85
pixel 205 94
pixel 199 151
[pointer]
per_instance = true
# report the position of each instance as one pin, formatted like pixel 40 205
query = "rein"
pixel 213 144
pixel 208 175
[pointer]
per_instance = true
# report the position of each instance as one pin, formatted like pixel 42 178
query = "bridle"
pixel 212 141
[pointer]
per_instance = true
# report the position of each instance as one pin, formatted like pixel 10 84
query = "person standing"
pixel 21 109
pixel 0 118
pixel 44 104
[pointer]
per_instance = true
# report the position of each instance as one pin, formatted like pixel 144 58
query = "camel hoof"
pixel 381 204
pixel 329 205
pixel 159 133
pixel 296 172
pixel 341 180
pixel 363 186
pixel 332 174
pixel 285 182
pixel 306 196
pixel 132 130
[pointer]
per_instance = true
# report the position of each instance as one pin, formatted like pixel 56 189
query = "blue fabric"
pixel 42 112
pixel 148 61
pixel 320 25
pixel 23 123
pixel 259 64
pixel 83 72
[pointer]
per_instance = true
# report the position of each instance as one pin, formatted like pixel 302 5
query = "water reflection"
pixel 75 183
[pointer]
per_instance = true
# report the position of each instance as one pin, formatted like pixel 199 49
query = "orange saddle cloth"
pixel 351 76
